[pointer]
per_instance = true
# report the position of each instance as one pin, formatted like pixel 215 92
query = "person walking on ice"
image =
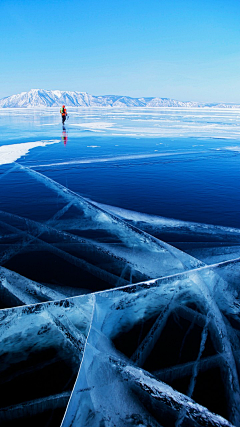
pixel 63 111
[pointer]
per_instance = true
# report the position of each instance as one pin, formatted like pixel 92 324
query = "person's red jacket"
pixel 63 111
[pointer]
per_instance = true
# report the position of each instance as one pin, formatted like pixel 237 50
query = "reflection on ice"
pixel 156 340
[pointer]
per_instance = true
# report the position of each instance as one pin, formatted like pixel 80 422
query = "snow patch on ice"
pixel 11 153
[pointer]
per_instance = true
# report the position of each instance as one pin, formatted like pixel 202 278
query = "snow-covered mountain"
pixel 55 98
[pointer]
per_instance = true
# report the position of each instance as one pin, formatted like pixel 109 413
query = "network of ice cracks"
pixel 109 318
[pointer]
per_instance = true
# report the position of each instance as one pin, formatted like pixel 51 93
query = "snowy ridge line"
pixel 70 195
pixel 116 158
pixel 55 98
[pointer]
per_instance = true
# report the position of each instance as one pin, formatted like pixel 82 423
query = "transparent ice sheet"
pixel 155 342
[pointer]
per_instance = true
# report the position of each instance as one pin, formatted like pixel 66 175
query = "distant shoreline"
pixel 42 107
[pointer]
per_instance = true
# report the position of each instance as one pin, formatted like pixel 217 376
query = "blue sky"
pixel 182 49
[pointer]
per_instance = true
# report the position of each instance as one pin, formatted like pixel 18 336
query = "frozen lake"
pixel 119 268
pixel 181 164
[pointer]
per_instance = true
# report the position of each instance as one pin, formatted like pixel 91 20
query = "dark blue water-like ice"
pixel 202 187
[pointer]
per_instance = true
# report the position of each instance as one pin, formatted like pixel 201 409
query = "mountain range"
pixel 37 98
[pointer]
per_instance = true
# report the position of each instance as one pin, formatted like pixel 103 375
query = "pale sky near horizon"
pixel 181 49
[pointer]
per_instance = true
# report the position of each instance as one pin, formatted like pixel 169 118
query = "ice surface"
pixel 111 317
pixel 162 351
